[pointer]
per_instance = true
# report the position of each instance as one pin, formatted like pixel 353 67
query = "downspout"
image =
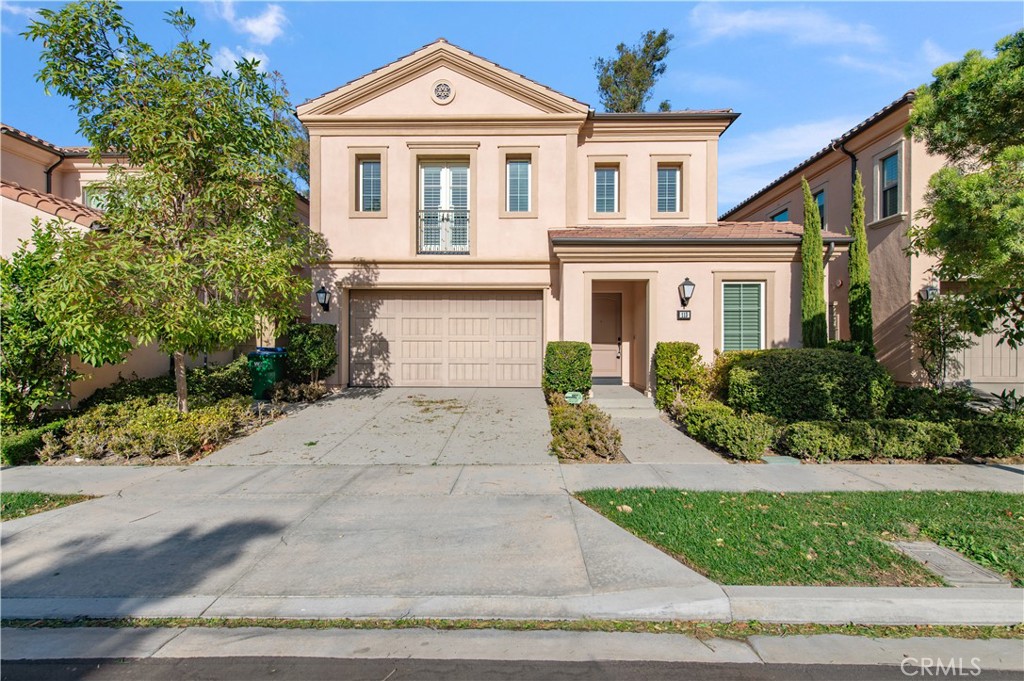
pixel 49 174
pixel 853 163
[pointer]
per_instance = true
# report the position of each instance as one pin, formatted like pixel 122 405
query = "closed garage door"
pixel 445 338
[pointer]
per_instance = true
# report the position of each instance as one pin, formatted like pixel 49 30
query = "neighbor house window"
pixel 819 200
pixel 668 189
pixel 369 185
pixel 517 185
pixel 606 189
pixel 781 216
pixel 95 196
pixel 742 315
pixel 890 185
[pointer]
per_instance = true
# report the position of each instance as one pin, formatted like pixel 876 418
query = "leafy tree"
pixel 812 287
pixel 34 370
pixel 625 82
pixel 972 114
pixel 937 336
pixel 312 351
pixel 199 240
pixel 862 326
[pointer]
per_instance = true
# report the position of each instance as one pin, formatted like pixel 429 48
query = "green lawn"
pixel 20 504
pixel 833 538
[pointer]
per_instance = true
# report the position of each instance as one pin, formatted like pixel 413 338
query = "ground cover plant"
pixel 833 538
pixel 20 504
pixel 582 432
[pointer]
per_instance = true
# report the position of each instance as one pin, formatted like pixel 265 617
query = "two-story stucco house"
pixel 895 171
pixel 475 215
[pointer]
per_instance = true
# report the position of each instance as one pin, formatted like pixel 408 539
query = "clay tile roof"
pixel 48 203
pixel 722 232
pixel 31 139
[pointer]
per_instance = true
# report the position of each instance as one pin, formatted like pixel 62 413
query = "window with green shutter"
pixel 742 315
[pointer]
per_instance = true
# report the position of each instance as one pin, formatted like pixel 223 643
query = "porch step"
pixel 642 403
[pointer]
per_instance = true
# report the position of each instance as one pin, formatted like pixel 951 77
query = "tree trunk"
pixel 179 382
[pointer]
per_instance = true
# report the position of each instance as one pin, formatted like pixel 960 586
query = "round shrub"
pixel 567 367
pixel 312 351
pixel 679 372
pixel 810 384
pixel 997 436
pixel 718 379
pixel 716 425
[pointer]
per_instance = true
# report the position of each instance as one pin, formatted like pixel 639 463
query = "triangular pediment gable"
pixel 440 56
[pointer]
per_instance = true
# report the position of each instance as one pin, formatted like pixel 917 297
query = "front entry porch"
pixel 618 333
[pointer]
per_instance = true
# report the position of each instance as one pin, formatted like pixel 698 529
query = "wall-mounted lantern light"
pixel 323 296
pixel 929 292
pixel 686 291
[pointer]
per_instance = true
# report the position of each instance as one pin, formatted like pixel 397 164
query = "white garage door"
pixel 445 338
pixel 993 367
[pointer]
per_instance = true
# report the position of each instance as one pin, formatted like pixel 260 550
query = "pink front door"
pixel 606 335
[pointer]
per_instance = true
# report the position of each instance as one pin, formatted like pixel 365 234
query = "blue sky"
pixel 800 73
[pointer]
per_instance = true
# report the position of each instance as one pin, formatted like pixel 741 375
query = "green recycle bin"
pixel 266 366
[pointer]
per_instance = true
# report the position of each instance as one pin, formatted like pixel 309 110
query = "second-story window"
pixel 781 216
pixel 517 191
pixel 819 200
pixel 444 208
pixel 889 197
pixel 95 196
pixel 668 189
pixel 369 185
pixel 606 189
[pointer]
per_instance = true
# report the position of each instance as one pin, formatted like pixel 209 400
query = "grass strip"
pixel 820 538
pixel 696 629
pixel 20 504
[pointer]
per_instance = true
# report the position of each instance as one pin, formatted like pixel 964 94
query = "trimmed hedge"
pixel 929 404
pixel 810 384
pixel 205 386
pixel 998 436
pixel 862 348
pixel 880 438
pixel 579 430
pixel 18 449
pixel 679 372
pixel 715 424
pixel 567 367
pixel 718 381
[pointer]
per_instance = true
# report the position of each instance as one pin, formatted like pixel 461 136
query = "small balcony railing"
pixel 443 232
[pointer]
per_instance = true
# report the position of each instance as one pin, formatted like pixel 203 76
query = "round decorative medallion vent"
pixel 442 92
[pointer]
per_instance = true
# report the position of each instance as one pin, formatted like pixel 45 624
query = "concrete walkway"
pixel 648 436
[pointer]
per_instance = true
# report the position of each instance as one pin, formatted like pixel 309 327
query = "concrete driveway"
pixel 418 426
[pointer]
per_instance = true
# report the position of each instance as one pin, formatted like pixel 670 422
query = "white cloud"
pixel 928 57
pixel 749 162
pixel 262 29
pixel 888 68
pixel 225 58
pixel 800 25
pixel 16 9
pixel 933 55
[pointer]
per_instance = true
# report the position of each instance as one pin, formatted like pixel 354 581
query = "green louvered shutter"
pixel 741 316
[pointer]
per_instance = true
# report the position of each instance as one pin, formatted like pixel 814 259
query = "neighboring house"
pixel 895 171
pixel 42 180
pixel 475 215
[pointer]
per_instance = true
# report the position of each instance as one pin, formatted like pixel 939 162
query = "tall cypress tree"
pixel 861 323
pixel 812 293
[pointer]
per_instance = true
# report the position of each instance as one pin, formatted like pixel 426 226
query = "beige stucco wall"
pixel 896 278
pixel 23 163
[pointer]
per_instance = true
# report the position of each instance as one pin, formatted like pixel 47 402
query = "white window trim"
pixel 362 163
pixel 761 303
pixel 675 198
pixel 529 185
pixel 615 190
pixel 356 157
pixel 618 162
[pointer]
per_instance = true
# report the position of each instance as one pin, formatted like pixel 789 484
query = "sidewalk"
pixel 422 541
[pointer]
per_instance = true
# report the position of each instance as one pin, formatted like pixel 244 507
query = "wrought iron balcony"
pixel 443 232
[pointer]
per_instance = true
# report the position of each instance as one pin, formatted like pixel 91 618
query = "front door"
pixel 606 337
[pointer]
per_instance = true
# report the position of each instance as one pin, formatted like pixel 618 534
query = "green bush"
pixel 567 367
pixel 862 348
pixel 718 381
pixel 205 386
pixel 998 435
pixel 875 439
pixel 929 404
pixel 18 449
pixel 679 372
pixel 312 352
pixel 148 428
pixel 810 384
pixel 579 430
pixel 715 424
